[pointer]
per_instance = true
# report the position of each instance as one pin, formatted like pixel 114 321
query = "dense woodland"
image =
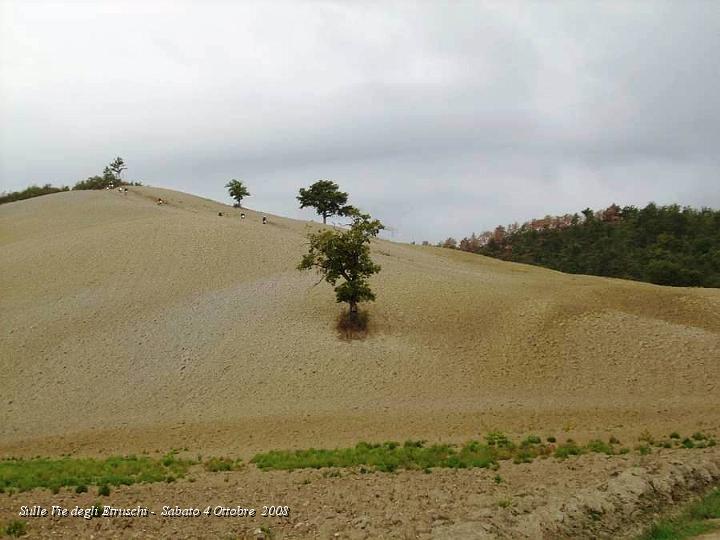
pixel 667 245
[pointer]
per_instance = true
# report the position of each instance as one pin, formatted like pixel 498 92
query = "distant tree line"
pixel 30 192
pixel 111 177
pixel 666 245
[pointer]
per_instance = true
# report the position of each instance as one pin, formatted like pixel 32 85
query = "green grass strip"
pixel 693 521
pixel 27 474
pixel 389 456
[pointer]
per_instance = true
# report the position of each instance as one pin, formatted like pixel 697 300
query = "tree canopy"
pixel 110 177
pixel 327 199
pixel 117 166
pixel 666 245
pixel 344 255
pixel 237 190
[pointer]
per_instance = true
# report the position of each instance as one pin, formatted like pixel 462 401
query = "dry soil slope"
pixel 127 325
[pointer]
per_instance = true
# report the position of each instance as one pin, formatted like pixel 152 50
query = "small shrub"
pixel 530 440
pixel 104 490
pixel 16 528
pixel 568 449
pixel 674 435
pixel 499 439
pixel 498 479
pixel 523 456
pixel 551 439
pixel 698 436
pixel 600 447
pixel 644 449
pixel 82 488
pixel 688 443
pixel 505 503
pixel 614 440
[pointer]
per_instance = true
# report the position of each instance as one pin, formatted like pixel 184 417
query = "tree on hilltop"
pixel 237 191
pixel 327 199
pixel 117 167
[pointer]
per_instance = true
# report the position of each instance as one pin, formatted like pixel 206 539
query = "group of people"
pixel 120 189
pixel 160 202
pixel 242 216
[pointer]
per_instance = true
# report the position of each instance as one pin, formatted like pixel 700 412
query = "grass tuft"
pixel 16 528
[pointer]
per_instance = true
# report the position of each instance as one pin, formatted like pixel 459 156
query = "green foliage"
pixel 104 490
pixel 385 457
pixel 345 254
pixel 666 245
pixel 326 198
pixel 16 528
pixel 644 450
pixel 499 439
pixel 563 451
pixel 27 474
pixel 30 192
pixel 691 522
pixel 82 488
pixel 117 166
pixel 237 190
pixel 600 447
pixel 110 177
pixel 530 440
pixel 98 182
pixel 416 455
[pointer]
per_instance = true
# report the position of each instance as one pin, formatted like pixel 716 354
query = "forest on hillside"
pixel 666 245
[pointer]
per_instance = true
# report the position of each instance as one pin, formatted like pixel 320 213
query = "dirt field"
pixel 128 326
pixel 592 496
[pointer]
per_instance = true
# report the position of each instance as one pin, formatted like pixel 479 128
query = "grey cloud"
pixel 440 118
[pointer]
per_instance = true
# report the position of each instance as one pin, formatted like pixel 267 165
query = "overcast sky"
pixel 440 118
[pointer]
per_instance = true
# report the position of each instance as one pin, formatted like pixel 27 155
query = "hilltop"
pixel 127 325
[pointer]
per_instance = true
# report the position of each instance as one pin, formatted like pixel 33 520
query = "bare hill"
pixel 126 325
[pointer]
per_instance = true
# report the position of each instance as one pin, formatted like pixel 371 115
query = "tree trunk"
pixel 324 219
pixel 353 308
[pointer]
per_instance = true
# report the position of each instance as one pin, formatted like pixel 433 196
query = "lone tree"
pixel 237 191
pixel 327 199
pixel 117 167
pixel 345 254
